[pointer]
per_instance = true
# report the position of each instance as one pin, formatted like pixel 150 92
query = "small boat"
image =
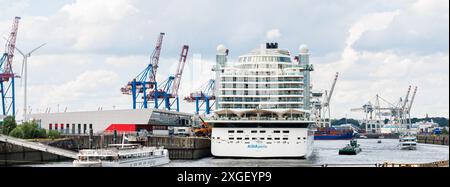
pixel 351 149
pixel 379 141
pixel 408 142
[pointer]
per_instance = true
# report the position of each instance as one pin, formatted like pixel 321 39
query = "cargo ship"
pixel 333 133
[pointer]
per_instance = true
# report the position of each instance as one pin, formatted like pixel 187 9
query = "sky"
pixel 94 47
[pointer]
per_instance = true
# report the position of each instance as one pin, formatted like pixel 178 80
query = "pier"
pixel 15 151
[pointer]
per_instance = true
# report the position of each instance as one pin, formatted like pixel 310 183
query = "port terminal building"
pixel 78 123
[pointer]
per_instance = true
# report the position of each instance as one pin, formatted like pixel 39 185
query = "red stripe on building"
pixel 122 128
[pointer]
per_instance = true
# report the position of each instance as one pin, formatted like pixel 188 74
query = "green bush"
pixel 53 134
pixel 17 132
pixel 9 124
pixel 28 130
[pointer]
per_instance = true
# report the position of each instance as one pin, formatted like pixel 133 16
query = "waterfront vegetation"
pixel 8 124
pixel 26 130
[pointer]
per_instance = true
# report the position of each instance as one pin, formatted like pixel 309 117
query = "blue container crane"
pixel 203 97
pixel 145 81
pixel 168 89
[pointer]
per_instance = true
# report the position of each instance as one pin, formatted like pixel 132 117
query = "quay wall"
pixel 11 155
pixel 180 148
pixel 433 139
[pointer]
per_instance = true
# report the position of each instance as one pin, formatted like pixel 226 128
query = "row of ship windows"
pixel 261 138
pixel 240 99
pixel 265 92
pixel 261 131
pixel 267 86
pixel 260 106
pixel 267 66
pixel 275 142
pixel 139 164
pixel 265 59
pixel 262 79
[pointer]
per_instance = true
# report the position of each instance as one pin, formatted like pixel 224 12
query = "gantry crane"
pixel 203 97
pixel 399 113
pixel 7 75
pixel 325 112
pixel 145 81
pixel 168 89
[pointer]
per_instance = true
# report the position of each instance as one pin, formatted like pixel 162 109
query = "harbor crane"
pixel 325 110
pixel 399 112
pixel 203 97
pixel 411 103
pixel 168 89
pixel 145 81
pixel 7 75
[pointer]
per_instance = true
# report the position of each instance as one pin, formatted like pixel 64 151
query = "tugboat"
pixel 351 149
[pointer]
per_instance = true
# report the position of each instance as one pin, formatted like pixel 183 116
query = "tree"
pixel 28 130
pixel 9 124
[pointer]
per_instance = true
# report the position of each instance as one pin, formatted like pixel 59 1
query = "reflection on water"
pixel 325 152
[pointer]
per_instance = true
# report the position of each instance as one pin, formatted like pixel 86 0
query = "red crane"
pixel 154 61
pixel 168 89
pixel 179 73
pixel 6 72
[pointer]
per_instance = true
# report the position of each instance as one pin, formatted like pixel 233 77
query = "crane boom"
pixel 332 88
pixel 10 48
pixel 154 61
pixel 12 45
pixel 406 99
pixel 412 99
pixel 179 73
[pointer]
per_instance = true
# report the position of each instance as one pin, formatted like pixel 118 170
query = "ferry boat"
pixel 119 155
pixel 122 155
pixel 263 107
pixel 408 142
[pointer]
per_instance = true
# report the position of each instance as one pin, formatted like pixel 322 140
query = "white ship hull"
pixel 133 162
pixel 294 143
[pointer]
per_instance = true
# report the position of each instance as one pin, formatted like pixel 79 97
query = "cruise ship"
pixel 263 107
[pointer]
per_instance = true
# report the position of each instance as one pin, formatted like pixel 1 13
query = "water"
pixel 325 152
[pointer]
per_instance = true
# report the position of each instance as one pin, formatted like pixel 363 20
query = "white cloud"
pixel 273 34
pixel 369 22
pixel 365 74
pixel 377 50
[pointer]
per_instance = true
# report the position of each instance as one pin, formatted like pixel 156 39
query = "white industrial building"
pixel 108 121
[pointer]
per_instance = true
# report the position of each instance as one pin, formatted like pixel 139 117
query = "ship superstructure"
pixel 263 104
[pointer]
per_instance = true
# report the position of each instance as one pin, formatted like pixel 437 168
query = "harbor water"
pixel 325 153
